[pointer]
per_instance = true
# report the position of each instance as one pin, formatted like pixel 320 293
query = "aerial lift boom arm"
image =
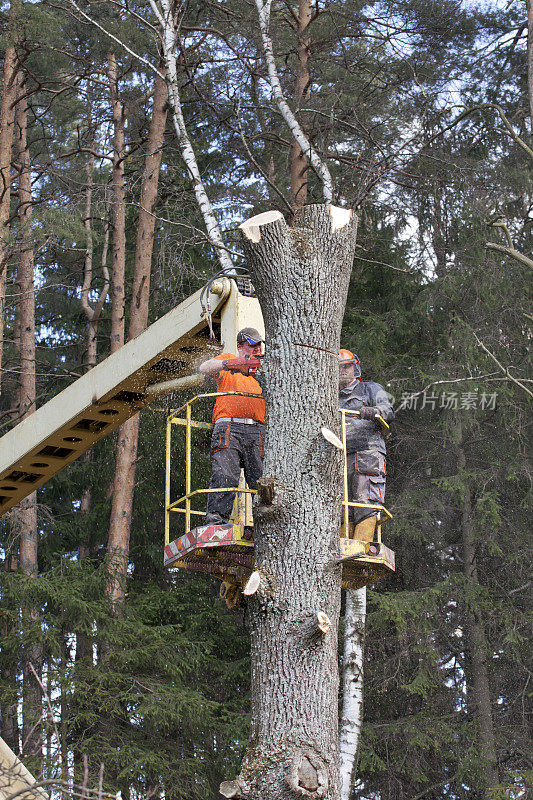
pixel 117 388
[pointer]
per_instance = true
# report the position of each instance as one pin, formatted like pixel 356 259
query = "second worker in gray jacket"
pixel 365 445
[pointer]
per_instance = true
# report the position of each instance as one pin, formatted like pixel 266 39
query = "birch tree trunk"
pixel 301 276
pixel 26 514
pixel 7 116
pixel 352 698
pixel 128 435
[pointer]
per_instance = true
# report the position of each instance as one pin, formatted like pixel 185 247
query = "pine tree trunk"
pixel 299 163
pixel 27 510
pixel 128 435
pixel 301 276
pixel 477 677
pixel 352 700
pixel 145 230
pixel 7 116
pixel 529 5
pixel 92 313
pixel 119 209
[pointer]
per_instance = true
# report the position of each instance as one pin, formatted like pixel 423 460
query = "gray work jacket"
pixel 365 434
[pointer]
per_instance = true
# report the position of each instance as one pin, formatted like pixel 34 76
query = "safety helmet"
pixel 347 357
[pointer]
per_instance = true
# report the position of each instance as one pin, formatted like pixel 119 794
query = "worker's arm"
pixel 212 367
pixel 383 405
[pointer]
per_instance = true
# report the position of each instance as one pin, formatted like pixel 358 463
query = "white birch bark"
pixel 163 12
pixel 352 700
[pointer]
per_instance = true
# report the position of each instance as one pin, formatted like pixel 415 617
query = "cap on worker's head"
pixel 249 336
pixel 347 357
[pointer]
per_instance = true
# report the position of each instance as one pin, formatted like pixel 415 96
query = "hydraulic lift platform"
pixel 222 551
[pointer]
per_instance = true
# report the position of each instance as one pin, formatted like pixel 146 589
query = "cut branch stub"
pixel 323 621
pixel 230 789
pixel 307 775
pixel 260 586
pixel 266 489
pixel 252 584
pixel 332 438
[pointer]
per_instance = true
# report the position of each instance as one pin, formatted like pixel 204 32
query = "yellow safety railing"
pixel 183 504
pixel 183 416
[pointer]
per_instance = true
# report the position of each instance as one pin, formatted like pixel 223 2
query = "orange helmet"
pixel 347 357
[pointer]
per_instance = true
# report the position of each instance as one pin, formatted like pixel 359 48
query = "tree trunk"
pixel 92 313
pixel 128 435
pixel 8 719
pixel 7 116
pixel 301 276
pixel 27 510
pixel 299 163
pixel 9 666
pixel 477 678
pixel 352 701
pixel 529 5
pixel 119 209
pixel 145 230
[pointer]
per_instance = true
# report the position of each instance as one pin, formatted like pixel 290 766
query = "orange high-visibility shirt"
pixel 236 405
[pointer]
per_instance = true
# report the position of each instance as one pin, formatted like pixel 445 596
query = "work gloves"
pixel 368 412
pixel 247 365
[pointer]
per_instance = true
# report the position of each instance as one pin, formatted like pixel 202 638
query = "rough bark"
pixel 25 282
pixel 124 481
pixel 477 676
pixel 352 701
pixel 145 229
pixel 9 665
pixel 299 163
pixel 84 643
pixel 92 313
pixel 529 5
pixel 301 275
pixel 7 116
pixel 26 514
pixel 119 209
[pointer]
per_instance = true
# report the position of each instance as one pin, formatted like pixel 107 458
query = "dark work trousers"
pixel 366 482
pixel 234 446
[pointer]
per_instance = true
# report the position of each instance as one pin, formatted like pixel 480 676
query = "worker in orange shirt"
pixel 238 423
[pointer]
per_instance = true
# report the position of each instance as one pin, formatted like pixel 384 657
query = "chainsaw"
pixel 247 365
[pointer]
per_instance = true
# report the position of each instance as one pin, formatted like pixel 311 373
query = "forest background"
pixel 423 112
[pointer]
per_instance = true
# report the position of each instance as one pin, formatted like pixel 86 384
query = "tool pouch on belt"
pixel 220 437
pixel 370 462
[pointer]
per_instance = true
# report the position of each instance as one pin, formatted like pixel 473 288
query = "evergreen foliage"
pixel 159 695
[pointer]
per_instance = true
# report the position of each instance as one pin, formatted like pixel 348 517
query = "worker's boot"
pixel 364 530
pixel 347 530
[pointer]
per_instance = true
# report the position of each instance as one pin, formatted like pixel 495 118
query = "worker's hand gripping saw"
pixel 247 365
